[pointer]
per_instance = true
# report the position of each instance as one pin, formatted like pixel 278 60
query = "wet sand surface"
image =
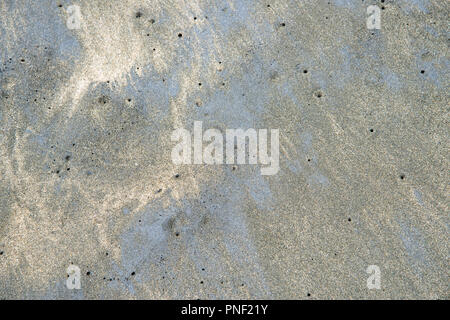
pixel 86 176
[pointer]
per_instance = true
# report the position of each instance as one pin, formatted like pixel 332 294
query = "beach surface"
pixel 86 177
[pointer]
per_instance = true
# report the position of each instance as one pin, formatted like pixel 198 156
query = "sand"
pixel 86 176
